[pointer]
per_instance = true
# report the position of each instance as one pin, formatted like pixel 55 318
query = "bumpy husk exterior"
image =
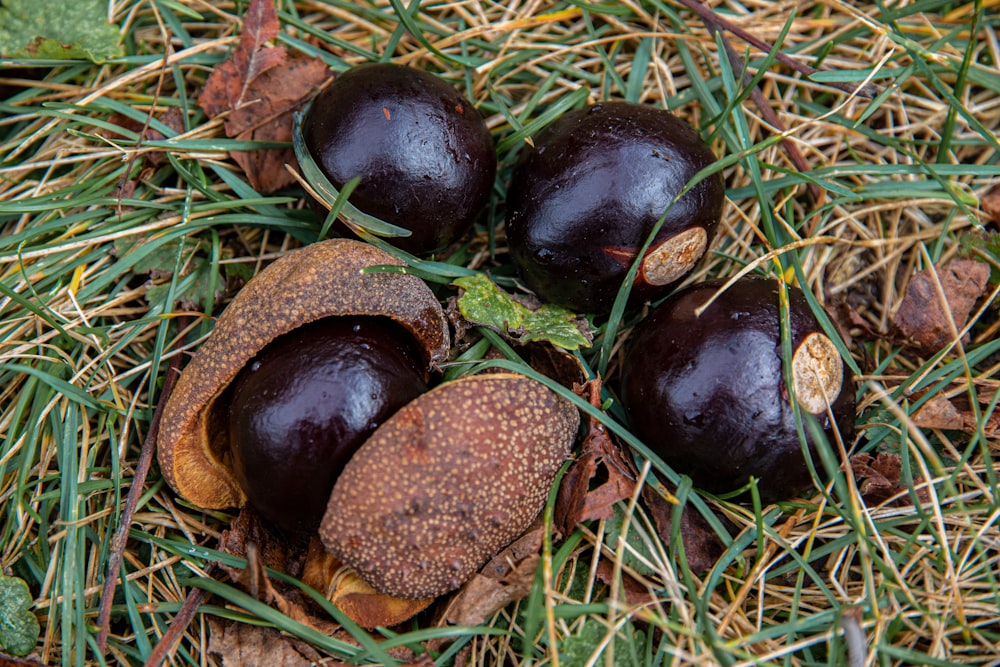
pixel 321 280
pixel 447 482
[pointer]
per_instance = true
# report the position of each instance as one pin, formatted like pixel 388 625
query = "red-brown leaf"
pixel 241 645
pixel 506 578
pixel 635 593
pixel 878 478
pixel 276 94
pixel 923 316
pixel 259 88
pixel 600 460
pixel 990 203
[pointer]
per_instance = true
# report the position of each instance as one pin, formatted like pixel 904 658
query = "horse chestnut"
pixel 707 393
pixel 301 408
pixel 584 198
pixel 423 152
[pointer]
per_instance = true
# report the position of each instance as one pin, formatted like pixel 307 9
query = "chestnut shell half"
pixel 320 280
pixel 584 198
pixel 447 482
pixel 706 392
pixel 423 152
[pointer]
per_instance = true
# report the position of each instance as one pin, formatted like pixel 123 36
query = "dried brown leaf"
pixel 278 93
pixel 259 88
pixel 14 661
pixel 505 579
pixel 600 461
pixel 923 316
pixel 249 537
pixel 878 478
pixel 990 203
pixel 227 86
pixel 634 591
pixel 242 645
pixel 939 412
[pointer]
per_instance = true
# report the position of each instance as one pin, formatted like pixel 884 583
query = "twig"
pixel 868 90
pixel 131 505
pixel 815 192
pixel 178 626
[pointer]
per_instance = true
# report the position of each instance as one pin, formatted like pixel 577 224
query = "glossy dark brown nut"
pixel 447 482
pixel 321 280
pixel 707 392
pixel 301 408
pixel 584 198
pixel 423 152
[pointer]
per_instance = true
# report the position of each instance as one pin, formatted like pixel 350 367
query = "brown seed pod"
pixel 447 482
pixel 321 280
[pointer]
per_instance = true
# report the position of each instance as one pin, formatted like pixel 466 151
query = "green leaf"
pixel 19 628
pixel 196 286
pixel 58 29
pixel 580 647
pixel 485 304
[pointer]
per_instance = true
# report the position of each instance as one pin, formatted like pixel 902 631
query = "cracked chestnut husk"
pixel 423 152
pixel 471 460
pixel 319 281
pixel 706 390
pixel 278 318
pixel 589 191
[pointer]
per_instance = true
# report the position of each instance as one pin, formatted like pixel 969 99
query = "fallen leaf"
pixel 508 577
pixel 227 86
pixel 878 479
pixel 702 547
pixel 250 538
pixel 57 29
pixel 938 412
pixel 15 661
pixel 956 415
pixel 636 594
pixel 243 645
pixel 483 303
pixel 259 88
pixel 248 533
pixel 555 363
pixel 601 461
pixel 923 316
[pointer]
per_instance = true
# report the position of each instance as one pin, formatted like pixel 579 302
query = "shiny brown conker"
pixel 423 152
pixel 586 195
pixel 706 390
pixel 301 408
